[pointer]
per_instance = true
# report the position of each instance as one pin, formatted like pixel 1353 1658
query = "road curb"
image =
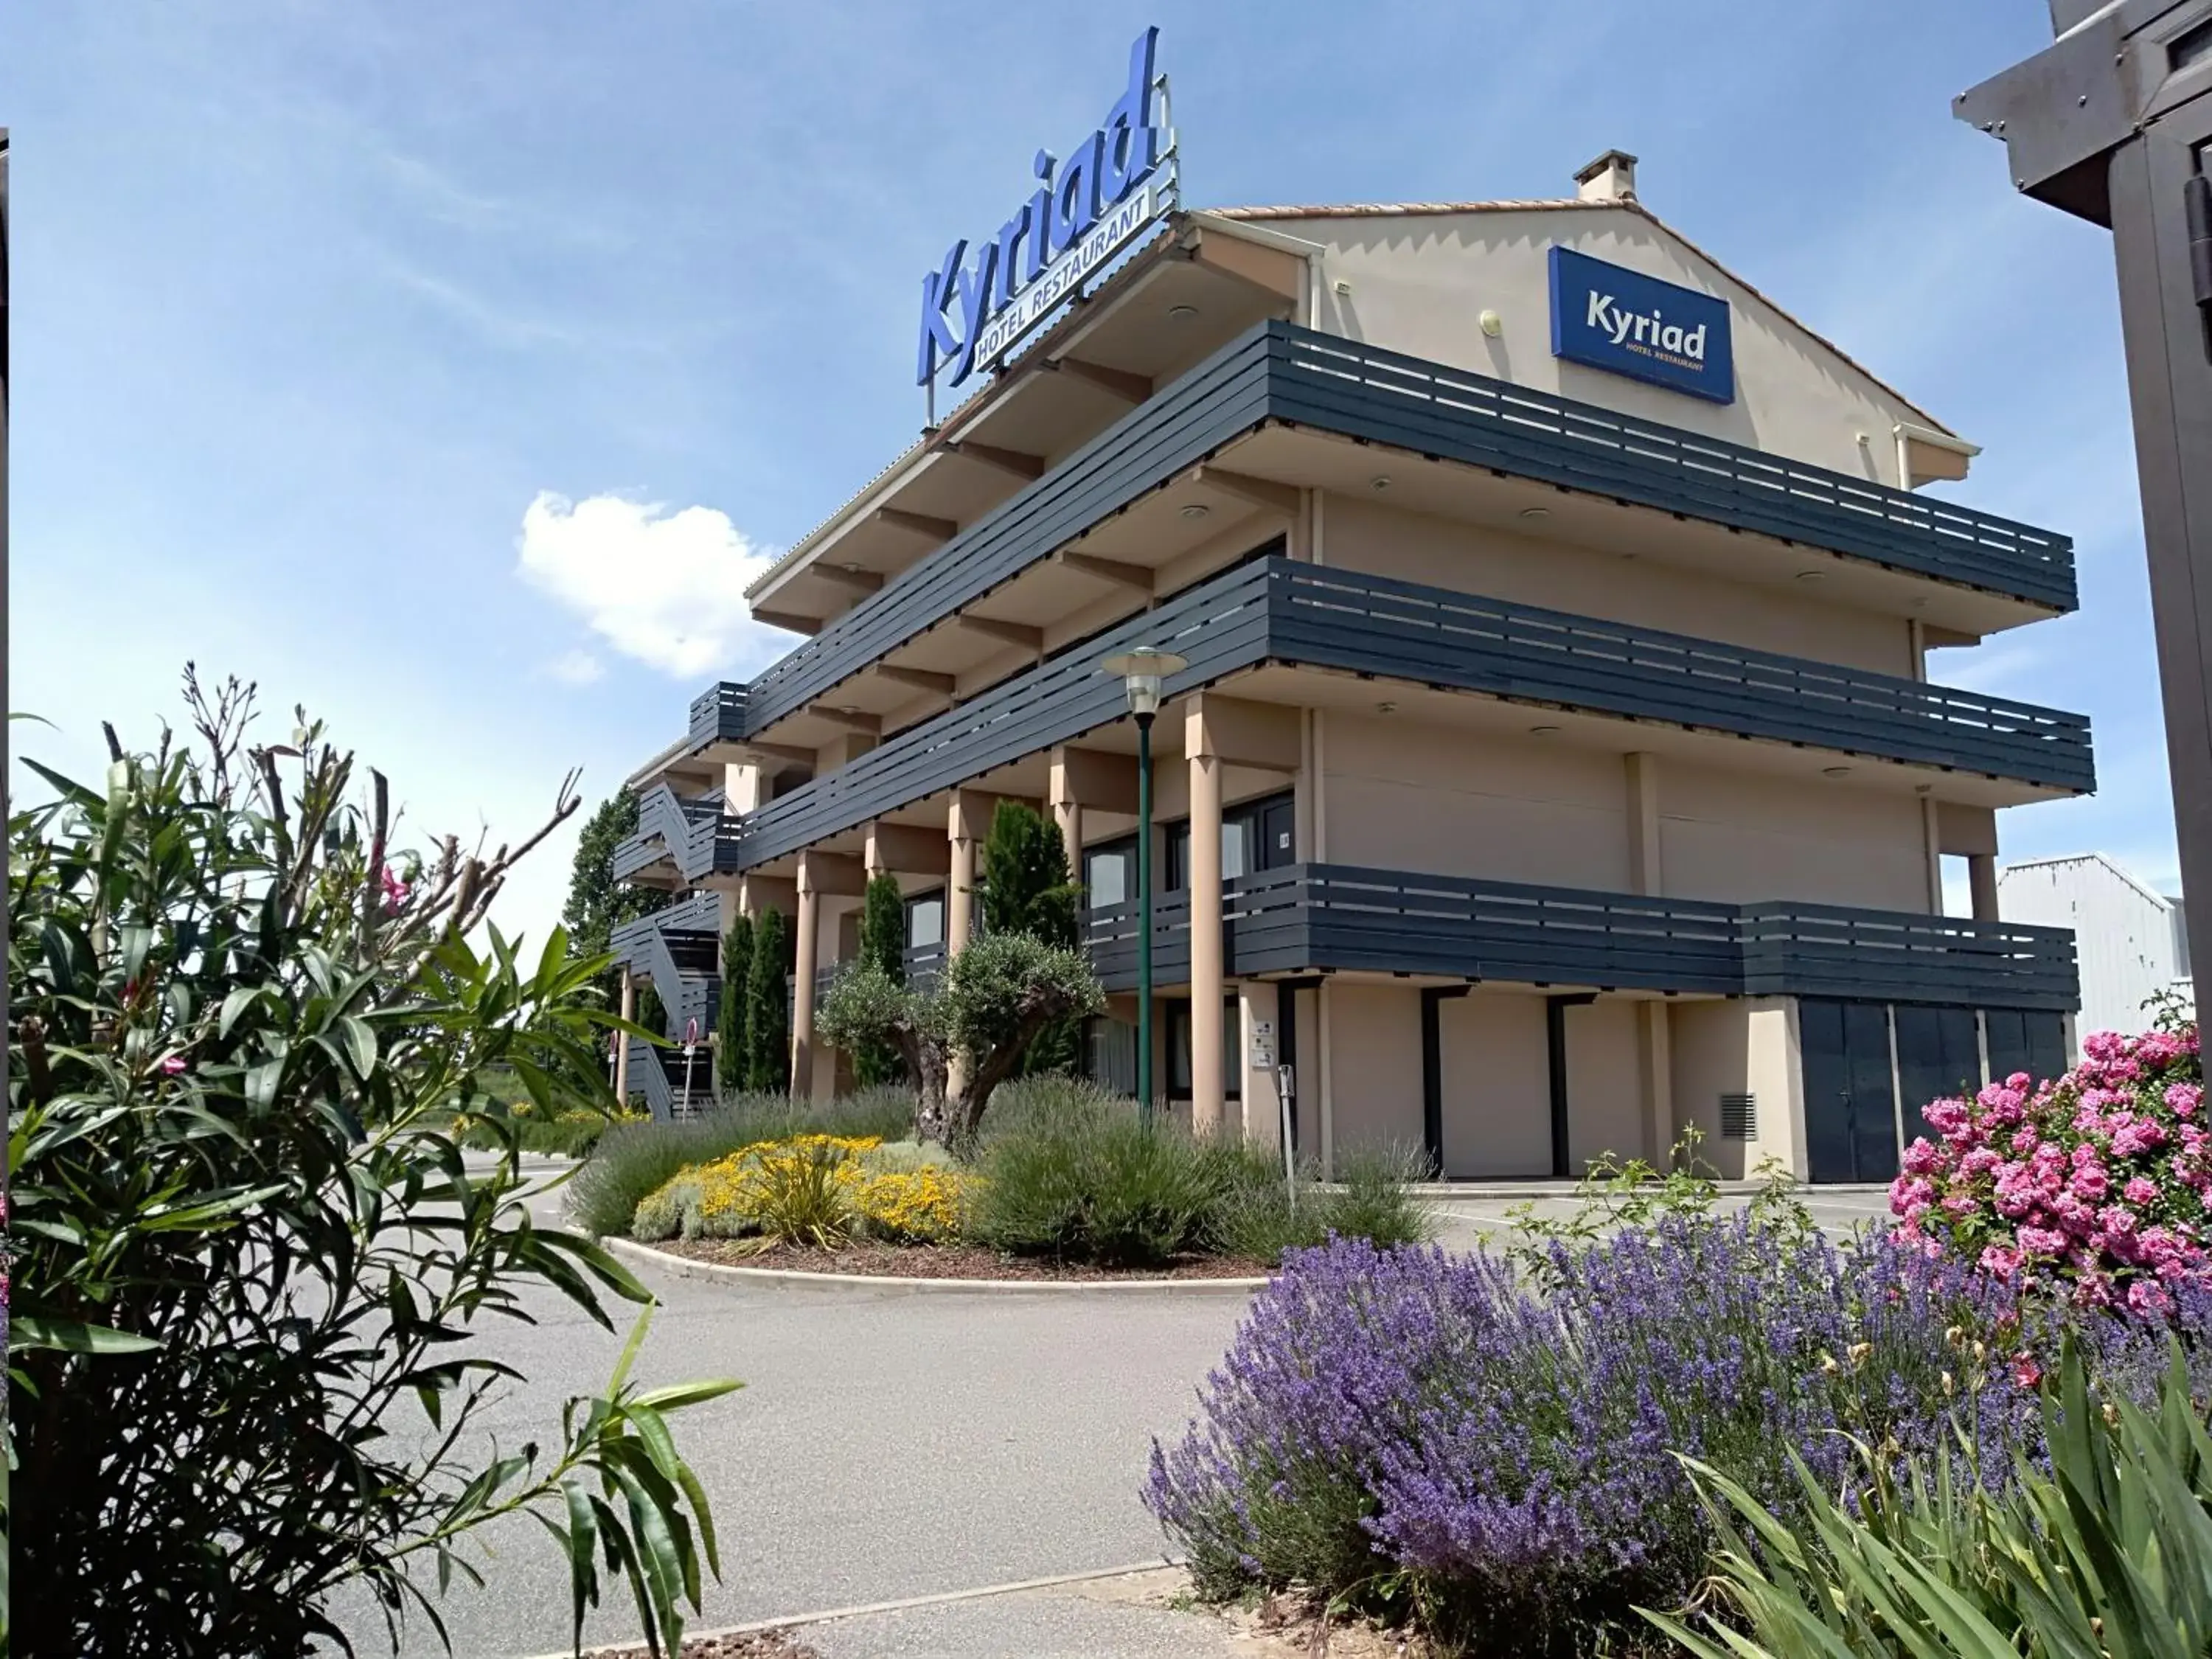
pixel 800 1621
pixel 684 1267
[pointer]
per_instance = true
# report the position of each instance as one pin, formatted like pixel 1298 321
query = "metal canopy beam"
pixel 2113 123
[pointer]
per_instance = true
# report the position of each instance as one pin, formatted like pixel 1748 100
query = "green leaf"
pixel 27 1331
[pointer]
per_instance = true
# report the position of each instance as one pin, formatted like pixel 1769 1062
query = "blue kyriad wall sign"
pixel 1622 321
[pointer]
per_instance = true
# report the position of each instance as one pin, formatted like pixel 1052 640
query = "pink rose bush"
pixel 2099 1181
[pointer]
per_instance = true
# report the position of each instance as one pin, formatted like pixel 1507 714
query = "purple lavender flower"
pixel 1404 1417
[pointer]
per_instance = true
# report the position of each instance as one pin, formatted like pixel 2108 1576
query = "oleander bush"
pixel 634 1160
pixel 251 1272
pixel 2096 1184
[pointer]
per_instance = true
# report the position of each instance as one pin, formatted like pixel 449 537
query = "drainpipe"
pixel 1908 432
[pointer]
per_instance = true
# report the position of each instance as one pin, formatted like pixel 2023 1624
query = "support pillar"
pixel 802 988
pixel 1068 814
pixel 1981 882
pixel 1654 1064
pixel 622 1047
pixel 1434 999
pixel 1644 875
pixel 964 827
pixel 1207 1105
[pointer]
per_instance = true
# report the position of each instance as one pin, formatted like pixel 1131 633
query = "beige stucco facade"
pixel 1386 769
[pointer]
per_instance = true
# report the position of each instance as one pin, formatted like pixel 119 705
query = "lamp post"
pixel 1141 672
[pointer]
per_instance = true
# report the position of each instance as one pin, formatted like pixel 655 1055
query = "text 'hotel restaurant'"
pixel 1558 761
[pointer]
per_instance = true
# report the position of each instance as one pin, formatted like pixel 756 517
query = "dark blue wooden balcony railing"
pixel 1295 376
pixel 1320 917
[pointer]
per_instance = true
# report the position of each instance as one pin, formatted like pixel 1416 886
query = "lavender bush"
pixel 1426 1436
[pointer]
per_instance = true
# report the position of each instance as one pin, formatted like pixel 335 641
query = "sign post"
pixel 690 1048
pixel 2113 123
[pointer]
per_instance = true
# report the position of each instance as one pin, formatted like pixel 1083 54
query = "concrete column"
pixel 1982 880
pixel 1774 1072
pixel 1644 875
pixel 1067 812
pixel 1932 835
pixel 961 833
pixel 802 987
pixel 621 1049
pixel 1207 1106
pixel 1654 1064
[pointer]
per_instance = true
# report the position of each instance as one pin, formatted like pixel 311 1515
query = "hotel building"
pixel 1557 764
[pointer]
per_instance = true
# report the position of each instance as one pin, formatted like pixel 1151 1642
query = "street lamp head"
pixel 1141 672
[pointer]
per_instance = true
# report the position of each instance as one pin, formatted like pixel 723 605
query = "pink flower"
pixel 2024 1139
pixel 2117 1220
pixel 2090 1181
pixel 395 890
pixel 2183 1099
pixel 170 1065
pixel 2140 1190
pixel 1996 1258
pixel 1961 1204
pixel 2103 1045
pixel 2141 1135
pixel 2146 1298
pixel 1945 1116
pixel 2041 1241
pixel 1921 1156
pixel 1979 1161
pixel 2026 1373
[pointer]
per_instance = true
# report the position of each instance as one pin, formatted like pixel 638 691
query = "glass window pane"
pixel 1236 837
pixel 925 923
pixel 1108 877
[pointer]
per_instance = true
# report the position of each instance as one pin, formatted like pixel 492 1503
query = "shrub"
pixel 1258 1218
pixel 809 1189
pixel 1403 1422
pixel 246 1248
pixel 1099 1188
pixel 634 1160
pixel 2097 1182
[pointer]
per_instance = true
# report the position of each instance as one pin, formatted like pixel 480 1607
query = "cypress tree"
pixel 730 1010
pixel 768 1011
pixel 1028 889
pixel 883 945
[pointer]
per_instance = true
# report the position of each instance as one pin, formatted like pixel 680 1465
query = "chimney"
pixel 1611 178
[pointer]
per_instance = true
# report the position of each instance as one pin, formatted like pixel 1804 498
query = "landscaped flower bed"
pixel 2099 1181
pixel 1492 1454
pixel 1066 1181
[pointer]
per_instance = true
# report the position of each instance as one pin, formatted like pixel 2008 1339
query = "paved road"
pixel 882 1448
pixel 896 1446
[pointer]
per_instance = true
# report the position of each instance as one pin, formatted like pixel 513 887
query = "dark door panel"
pixel 1851 1108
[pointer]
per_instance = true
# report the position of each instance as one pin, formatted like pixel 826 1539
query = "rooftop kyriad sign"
pixel 1113 186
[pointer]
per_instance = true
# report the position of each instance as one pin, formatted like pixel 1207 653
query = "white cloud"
pixel 575 668
pixel 666 588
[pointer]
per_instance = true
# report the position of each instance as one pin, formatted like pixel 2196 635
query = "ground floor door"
pixel 1939 1055
pixel 1851 1104
pixel 2025 1040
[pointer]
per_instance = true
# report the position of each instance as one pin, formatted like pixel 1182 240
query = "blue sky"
pixel 318 306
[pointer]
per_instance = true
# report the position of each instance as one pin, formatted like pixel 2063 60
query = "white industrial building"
pixel 2129 937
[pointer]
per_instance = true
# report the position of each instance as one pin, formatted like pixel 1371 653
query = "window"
pixel 1109 1054
pixel 1109 873
pixel 924 920
pixel 1255 834
pixel 1178 1035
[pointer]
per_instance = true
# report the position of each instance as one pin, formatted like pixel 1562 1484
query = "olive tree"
pixel 247 1036
pixel 989 1005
